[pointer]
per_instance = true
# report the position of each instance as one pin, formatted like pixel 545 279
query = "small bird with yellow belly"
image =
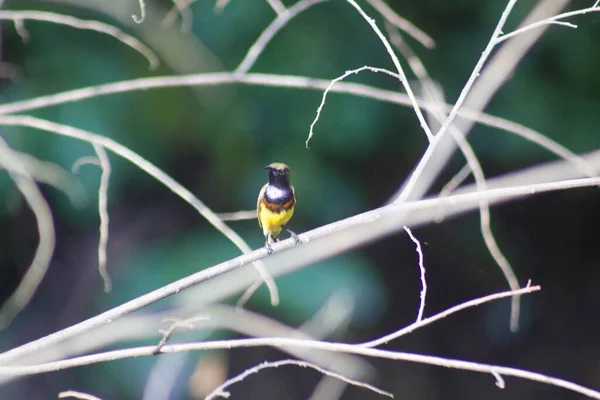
pixel 276 203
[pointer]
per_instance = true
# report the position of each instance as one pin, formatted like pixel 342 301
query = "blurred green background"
pixel 215 141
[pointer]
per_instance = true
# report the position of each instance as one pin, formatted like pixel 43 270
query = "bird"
pixel 276 203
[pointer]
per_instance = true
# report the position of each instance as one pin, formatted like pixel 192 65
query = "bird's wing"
pixel 258 201
pixel 294 193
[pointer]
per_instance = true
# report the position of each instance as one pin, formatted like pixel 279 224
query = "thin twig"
pixel 277 6
pixel 422 269
pixel 552 20
pixel 181 7
pixel 238 215
pixel 382 221
pixel 241 302
pixel 270 31
pixel 21 30
pixel 499 380
pixel 45 227
pixel 427 321
pixel 103 212
pixel 336 80
pixel 220 391
pixel 77 395
pixel 86 25
pixel 399 69
pixel 52 174
pixel 456 180
pixel 404 25
pixel 140 19
pixel 153 171
pixel 85 160
pixel 103 162
pixel 176 324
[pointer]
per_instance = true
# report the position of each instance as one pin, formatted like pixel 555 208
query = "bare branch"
pixel 50 173
pixel 330 87
pixel 471 303
pixel 220 391
pixel 404 25
pixel 499 380
pixel 399 69
pixel 21 30
pixel 140 19
pixel 181 7
pixel 289 81
pixel 270 31
pixel 552 20
pixel 456 180
pixel 103 212
pixel 237 215
pixel 177 324
pixel 301 343
pixel 277 6
pixel 77 395
pixel 77 23
pixel 422 269
pixel 45 226
pixel 85 160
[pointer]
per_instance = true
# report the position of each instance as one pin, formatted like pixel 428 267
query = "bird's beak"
pixel 267 167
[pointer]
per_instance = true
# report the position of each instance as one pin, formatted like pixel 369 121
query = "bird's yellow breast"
pixel 272 221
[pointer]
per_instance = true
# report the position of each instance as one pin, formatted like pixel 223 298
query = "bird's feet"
pixel 269 248
pixel 295 237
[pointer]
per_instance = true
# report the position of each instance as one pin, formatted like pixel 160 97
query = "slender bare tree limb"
pixel 471 303
pixel 139 19
pixel 103 162
pixel 290 81
pixel 238 215
pixel 45 226
pixel 77 395
pixel 396 62
pixel 277 6
pixel 422 270
pixel 91 25
pixel 494 370
pixel 270 31
pixel 456 180
pixel 552 20
pixel 181 7
pixel 47 172
pixel 220 391
pixel 336 80
pixel 103 212
pixel 404 25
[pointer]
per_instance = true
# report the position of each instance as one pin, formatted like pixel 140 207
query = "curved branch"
pixel 91 25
